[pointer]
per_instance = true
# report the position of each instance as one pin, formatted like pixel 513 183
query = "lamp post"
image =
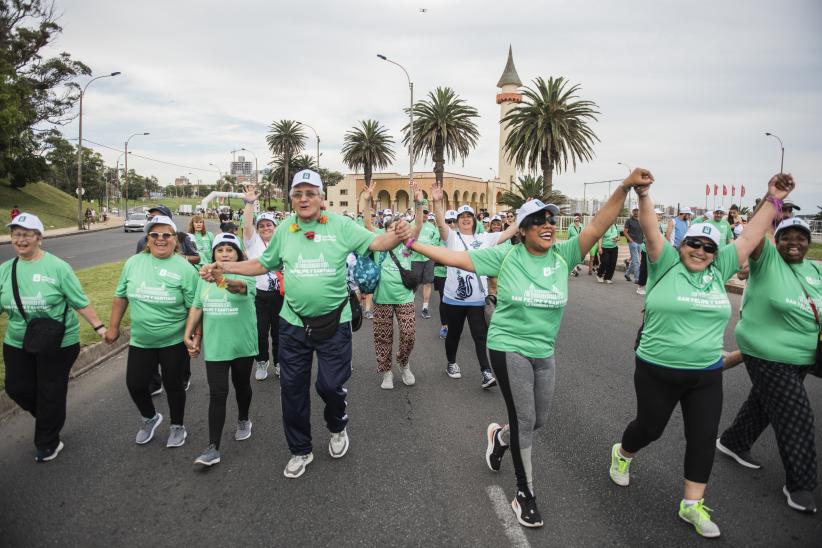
pixel 125 175
pixel 317 135
pixel 80 152
pixel 628 195
pixel 585 190
pixel 782 147
pixel 256 171
pixel 411 116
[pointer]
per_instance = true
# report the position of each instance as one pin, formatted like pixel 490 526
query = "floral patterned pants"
pixel 384 333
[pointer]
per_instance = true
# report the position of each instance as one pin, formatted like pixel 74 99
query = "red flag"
pixel 707 190
pixel 733 190
pixel 716 190
pixel 724 190
pixel 742 191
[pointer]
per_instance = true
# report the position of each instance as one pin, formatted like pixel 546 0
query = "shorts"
pixel 423 271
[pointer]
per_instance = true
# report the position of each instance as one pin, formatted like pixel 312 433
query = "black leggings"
pixel 456 316
pixel 140 368
pixel 643 270
pixel 439 285
pixel 607 262
pixel 268 305
pixel 217 373
pixel 699 394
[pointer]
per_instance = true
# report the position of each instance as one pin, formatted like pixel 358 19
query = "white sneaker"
pixel 387 381
pixel 600 280
pixel 408 378
pixel 338 445
pixel 261 373
pixel 297 464
pixel 609 281
pixel 640 291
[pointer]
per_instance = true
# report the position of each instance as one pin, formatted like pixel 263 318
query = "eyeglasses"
pixel 23 235
pixel 298 195
pixel 699 244
pixel 159 235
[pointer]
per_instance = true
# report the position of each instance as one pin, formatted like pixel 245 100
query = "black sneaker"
pixel 525 508
pixel 495 450
pixel 801 501
pixel 488 379
pixel 45 455
pixel 742 457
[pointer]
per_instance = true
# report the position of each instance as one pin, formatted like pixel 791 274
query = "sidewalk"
pixel 112 222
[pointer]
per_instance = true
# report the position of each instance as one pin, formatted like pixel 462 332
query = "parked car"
pixel 135 222
pixel 185 209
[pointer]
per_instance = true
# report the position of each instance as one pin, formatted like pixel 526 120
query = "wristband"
pixel 246 202
pixel 98 327
pixel 777 203
pixel 407 251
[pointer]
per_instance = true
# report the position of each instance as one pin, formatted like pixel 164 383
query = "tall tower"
pixel 509 95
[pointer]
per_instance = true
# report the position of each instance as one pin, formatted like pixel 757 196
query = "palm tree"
pixel 368 146
pixel 549 128
pixel 443 127
pixel 297 163
pixel 530 187
pixel 285 139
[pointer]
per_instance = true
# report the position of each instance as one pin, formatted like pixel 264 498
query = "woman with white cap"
pixel 36 286
pixel 159 285
pixel 778 336
pixel 679 356
pixel 223 311
pixel 268 301
pixel 465 292
pixel 533 291
pixel 574 230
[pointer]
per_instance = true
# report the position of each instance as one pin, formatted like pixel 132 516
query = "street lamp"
pixel 317 135
pixel 125 152
pixel 411 115
pixel 80 152
pixel 628 195
pixel 782 161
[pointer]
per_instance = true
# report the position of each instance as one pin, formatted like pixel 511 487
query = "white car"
pixel 135 222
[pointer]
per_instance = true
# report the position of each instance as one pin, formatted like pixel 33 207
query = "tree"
pixel 330 177
pixel 368 146
pixel 443 128
pixel 61 168
pixel 36 94
pixel 530 187
pixel 549 128
pixel 285 139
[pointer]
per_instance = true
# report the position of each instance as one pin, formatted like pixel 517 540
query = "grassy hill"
pixel 55 208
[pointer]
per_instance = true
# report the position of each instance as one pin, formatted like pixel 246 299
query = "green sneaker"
pixel 619 467
pixel 698 515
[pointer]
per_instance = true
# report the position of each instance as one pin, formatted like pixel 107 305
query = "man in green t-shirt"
pixel 726 234
pixel 313 246
pixel 421 266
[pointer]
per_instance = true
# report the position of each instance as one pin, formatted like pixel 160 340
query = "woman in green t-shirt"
pixel 532 291
pixel 778 335
pixel 574 230
pixel 608 250
pixel 226 310
pixel 202 238
pixel 679 355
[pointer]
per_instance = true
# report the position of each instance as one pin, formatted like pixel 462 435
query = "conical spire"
pixel 509 75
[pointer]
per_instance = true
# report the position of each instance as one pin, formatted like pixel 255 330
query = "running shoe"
pixel 609 281
pixel 742 457
pixel 525 508
pixel 261 371
pixel 453 371
pixel 157 391
pixel 801 501
pixel 147 428
pixel 209 457
pixel 488 379
pixel 628 277
pixel 369 315
pixel 699 516
pixel 243 430
pixel 177 436
pixel 277 369
pixel 619 467
pixel 338 444
pixel 426 315
pixel 443 332
pixel 387 381
pixel 45 455
pixel 495 450
pixel 188 384
pixel 297 464
pixel 600 279
pixel 407 376
pixel 640 291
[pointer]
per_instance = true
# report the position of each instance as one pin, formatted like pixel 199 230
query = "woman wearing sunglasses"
pixel 532 291
pixel 159 285
pixel 679 356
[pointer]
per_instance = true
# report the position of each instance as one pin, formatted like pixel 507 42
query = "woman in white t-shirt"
pixel 465 292
pixel 269 298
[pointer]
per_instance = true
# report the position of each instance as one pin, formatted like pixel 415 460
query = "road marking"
pixel 510 525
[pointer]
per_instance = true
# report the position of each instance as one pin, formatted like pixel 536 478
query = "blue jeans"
pixel 633 268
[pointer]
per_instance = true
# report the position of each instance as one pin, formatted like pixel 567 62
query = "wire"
pixel 145 157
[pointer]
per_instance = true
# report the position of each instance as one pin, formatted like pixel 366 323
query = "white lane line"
pixel 502 506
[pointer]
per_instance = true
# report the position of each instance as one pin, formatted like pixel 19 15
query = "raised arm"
pixel 251 196
pixel 508 233
pixel 654 240
pixel 416 192
pixel 751 240
pixel 439 210
pixel 445 256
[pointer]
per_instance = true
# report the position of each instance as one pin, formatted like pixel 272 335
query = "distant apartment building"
pixel 181 181
pixel 243 170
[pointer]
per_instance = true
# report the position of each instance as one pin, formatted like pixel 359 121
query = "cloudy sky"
pixel 686 89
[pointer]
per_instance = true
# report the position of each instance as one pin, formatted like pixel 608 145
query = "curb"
pixel 90 357
pixel 48 236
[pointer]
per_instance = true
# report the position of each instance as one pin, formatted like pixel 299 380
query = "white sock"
pixel 689 502
pixel 425 305
pixel 622 455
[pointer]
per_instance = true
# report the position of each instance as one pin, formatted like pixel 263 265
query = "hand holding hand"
pixel 402 230
pixel 112 334
pixel 781 185
pixel 639 177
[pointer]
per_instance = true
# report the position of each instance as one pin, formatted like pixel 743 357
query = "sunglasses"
pixel 449 221
pixel 158 235
pixel 699 244
pixel 539 219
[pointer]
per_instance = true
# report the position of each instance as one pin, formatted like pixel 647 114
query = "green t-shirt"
pixel 46 286
pixel 573 231
pixel 391 290
pixel 315 271
pixel 662 228
pixel 480 228
pixel 686 312
pixel 532 292
pixel 429 234
pixel 777 323
pixel 203 243
pixel 229 320
pixel 727 235
pixel 440 271
pixel 159 292
pixel 608 241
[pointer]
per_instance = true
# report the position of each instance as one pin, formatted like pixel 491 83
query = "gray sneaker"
pixel 277 369
pixel 261 372
pixel 210 456
pixel 147 428
pixel 453 371
pixel 297 464
pixel 338 445
pixel 243 430
pixel 177 436
pixel 426 315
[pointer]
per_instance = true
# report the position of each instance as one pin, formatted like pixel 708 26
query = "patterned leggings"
pixel 384 333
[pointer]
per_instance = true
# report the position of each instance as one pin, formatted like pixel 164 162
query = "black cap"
pixel 162 209
pixel 791 205
pixel 227 226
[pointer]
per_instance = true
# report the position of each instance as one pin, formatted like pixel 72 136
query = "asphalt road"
pixel 415 474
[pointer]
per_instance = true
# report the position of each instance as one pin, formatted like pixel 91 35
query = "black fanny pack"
pixel 43 335
pixel 408 279
pixel 321 328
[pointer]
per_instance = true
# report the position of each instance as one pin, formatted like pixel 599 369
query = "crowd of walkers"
pixel 297 283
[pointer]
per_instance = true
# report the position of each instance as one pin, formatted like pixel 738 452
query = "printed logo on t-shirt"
pixel 312 268
pixel 542 298
pixel 169 274
pixel 325 238
pixel 43 278
pixel 476 244
pixel 707 278
pixel 464 286
pixel 549 270
pixel 219 306
pixel 711 299
pixel 813 281
pixel 34 304
pixel 149 294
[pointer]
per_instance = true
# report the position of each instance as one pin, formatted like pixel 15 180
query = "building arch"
pixel 383 200
pixel 482 203
pixel 465 197
pixel 499 197
pixel 402 201
pixel 474 202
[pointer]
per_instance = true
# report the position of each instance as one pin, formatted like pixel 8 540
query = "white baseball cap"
pixel 496 218
pixel 793 222
pixel 486 220
pixel 465 209
pixel 720 210
pixel 431 217
pixel 704 230
pixel 387 213
pixel 307 176
pixel 159 220
pixel 450 215
pixel 529 208
pixel 658 211
pixel 29 221
pixel 686 210
pixel 225 238
pixel 267 216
